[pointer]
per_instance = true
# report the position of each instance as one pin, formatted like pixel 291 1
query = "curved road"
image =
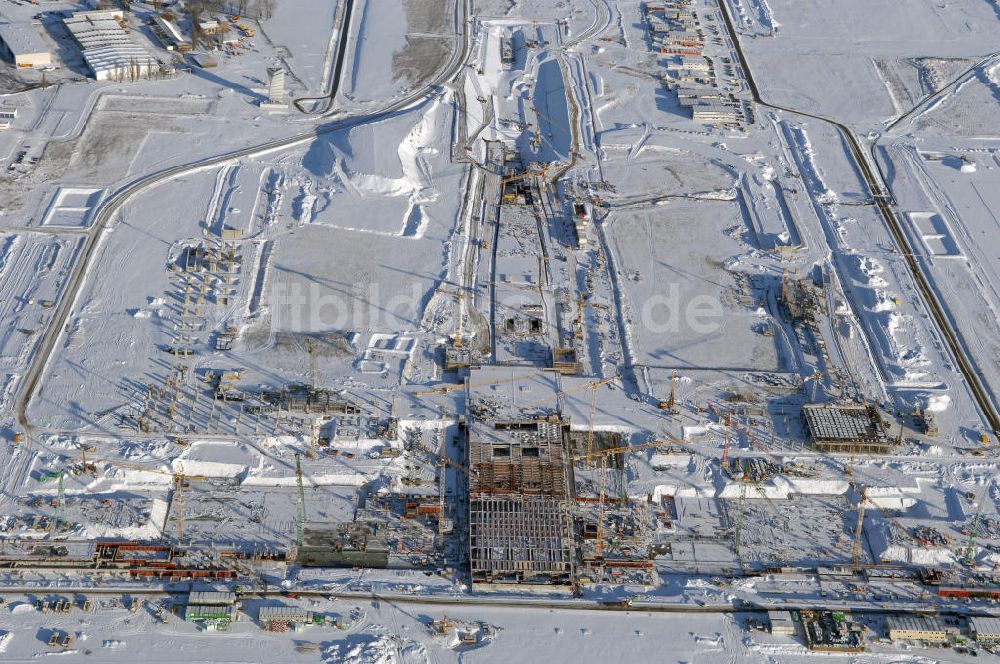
pixel 338 64
pixel 111 205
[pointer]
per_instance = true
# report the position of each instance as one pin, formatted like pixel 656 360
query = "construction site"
pixel 443 329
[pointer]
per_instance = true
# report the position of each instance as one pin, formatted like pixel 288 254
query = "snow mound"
pixel 372 649
pixel 937 403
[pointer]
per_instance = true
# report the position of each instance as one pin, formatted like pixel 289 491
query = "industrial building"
pixel 692 62
pixel 353 544
pixel 209 27
pixel 826 631
pixel 212 610
pixel 781 622
pixel 985 631
pixel 714 112
pixel 915 627
pixel 846 428
pixel 7 117
pixel 108 49
pixel 283 618
pixel 21 44
pixel 170 35
pixel 692 94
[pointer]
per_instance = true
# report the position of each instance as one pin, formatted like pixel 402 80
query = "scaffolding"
pixel 854 429
pixel 520 539
pixel 521 530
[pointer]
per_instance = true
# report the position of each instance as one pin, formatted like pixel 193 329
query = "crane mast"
pixel 300 517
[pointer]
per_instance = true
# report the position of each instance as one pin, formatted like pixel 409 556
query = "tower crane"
pixel 725 447
pixel 590 424
pixel 599 545
pixel 300 515
pixel 543 170
pixel 447 460
pixel 625 449
pixel 969 557
pixel 445 389
pixel 858 529
pixel 593 412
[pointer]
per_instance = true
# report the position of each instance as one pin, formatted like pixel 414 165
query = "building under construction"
pixel 351 544
pixel 520 527
pixel 853 429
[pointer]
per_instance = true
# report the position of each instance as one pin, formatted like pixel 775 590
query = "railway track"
pixel 879 193
pixel 567 604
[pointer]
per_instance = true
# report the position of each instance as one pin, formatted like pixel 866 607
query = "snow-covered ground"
pixel 203 296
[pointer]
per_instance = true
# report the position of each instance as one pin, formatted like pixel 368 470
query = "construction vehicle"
pixel 670 405
pixel 511 197
pixel 85 466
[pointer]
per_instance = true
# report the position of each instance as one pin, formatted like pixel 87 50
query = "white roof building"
pixel 692 62
pixel 916 627
pixel 211 597
pixel 172 34
pixel 288 614
pixel 781 622
pixel 985 630
pixel 714 112
pixel 108 48
pixel 21 43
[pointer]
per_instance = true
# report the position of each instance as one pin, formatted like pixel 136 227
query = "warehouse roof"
pixel 211 597
pixel 990 626
pixel 285 613
pixel 104 58
pixel 22 39
pixel 914 623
